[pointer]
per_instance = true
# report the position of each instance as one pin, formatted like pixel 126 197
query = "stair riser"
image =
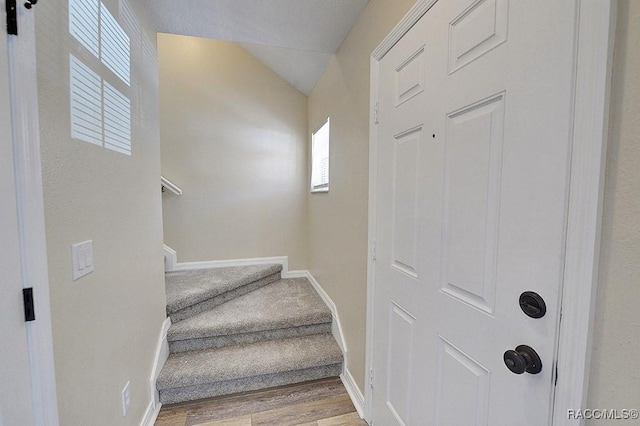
pixel 245 338
pixel 205 305
pixel 191 393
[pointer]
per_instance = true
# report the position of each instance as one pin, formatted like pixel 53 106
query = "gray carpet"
pixel 244 328
pixel 188 288
pixel 233 362
pixel 287 303
pixel 226 387
pixel 211 342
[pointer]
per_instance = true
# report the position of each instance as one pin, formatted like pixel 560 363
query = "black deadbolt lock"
pixel 524 358
pixel 532 304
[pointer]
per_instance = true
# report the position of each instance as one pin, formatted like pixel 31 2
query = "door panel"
pixel 462 395
pixel 473 138
pixel 472 171
pixel 405 220
pixel 410 76
pixel 401 339
pixel 478 29
pixel 15 385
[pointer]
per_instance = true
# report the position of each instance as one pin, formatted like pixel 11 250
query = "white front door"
pixel 15 382
pixel 475 119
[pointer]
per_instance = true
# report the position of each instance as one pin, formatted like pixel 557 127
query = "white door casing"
pixel 468 207
pixel 22 133
pixel 15 387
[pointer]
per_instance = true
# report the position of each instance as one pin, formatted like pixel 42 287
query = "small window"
pixel 320 159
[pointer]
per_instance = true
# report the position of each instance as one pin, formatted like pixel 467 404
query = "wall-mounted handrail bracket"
pixel 12 17
pixel 170 186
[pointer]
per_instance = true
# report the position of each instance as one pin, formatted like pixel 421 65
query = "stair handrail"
pixel 172 187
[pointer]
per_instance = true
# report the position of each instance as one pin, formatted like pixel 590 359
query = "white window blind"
pixel 320 159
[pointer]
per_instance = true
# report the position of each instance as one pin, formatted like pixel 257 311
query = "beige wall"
pixel 105 325
pixel 233 137
pixel 338 219
pixel 615 382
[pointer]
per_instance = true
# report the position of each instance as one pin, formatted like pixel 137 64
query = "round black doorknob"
pixel 524 358
pixel 532 304
pixel 515 362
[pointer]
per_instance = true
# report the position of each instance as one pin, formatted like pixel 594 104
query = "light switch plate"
pixel 82 259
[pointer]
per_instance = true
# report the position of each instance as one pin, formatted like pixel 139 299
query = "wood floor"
pixel 319 403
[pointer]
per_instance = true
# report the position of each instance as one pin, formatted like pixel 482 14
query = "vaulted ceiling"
pixel 295 38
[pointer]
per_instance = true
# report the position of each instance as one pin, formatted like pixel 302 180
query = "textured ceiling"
pixel 295 38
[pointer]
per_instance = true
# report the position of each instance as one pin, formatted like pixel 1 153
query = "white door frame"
pixel 33 247
pixel 595 35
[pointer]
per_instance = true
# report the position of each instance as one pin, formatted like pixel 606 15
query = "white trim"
pixel 336 330
pixel 150 414
pixel 162 354
pixel 172 264
pixel 172 187
pixel 27 160
pixel 295 274
pixel 183 266
pixel 170 258
pixel 405 24
pixel 336 325
pixel 595 37
pixel 371 270
pixel 354 391
pixel 594 63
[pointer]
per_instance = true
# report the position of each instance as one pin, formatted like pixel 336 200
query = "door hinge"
pixel 371 378
pixel 373 252
pixel 12 17
pixel 29 310
pixel 376 113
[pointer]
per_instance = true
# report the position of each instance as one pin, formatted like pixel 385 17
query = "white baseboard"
pixel 354 391
pixel 336 329
pixel 170 258
pixel 150 415
pixel 162 353
pixel 295 274
pixel 172 264
pixel 283 260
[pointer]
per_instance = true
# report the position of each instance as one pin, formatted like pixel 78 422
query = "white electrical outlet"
pixel 82 258
pixel 126 398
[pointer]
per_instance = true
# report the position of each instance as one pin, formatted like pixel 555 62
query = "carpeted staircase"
pixel 243 328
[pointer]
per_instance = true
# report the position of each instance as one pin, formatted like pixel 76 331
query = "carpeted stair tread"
pixel 291 302
pixel 209 366
pixel 235 386
pixel 187 288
